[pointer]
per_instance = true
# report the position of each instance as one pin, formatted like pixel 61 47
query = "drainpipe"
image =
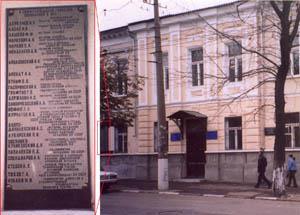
pixel 262 91
pixel 134 48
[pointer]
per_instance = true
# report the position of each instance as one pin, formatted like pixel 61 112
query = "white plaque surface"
pixel 46 142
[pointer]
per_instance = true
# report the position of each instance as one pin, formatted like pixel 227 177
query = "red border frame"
pixel 1 206
pixel 95 73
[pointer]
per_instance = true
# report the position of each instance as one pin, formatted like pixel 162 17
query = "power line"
pixel 116 9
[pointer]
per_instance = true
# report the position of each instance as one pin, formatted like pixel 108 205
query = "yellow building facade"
pixel 219 112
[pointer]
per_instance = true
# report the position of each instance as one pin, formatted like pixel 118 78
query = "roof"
pixel 115 32
pixel 182 114
pixel 184 13
pixel 172 15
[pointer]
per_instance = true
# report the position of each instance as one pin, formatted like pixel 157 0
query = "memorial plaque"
pixel 47 127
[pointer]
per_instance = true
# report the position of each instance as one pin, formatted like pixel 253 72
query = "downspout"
pixel 218 94
pixel 134 48
pixel 262 89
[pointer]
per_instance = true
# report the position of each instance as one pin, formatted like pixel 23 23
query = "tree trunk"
pixel 279 146
pixel 287 36
pixel 279 181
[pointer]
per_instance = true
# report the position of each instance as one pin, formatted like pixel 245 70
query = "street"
pixel 122 203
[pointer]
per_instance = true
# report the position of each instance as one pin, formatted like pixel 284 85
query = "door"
pixel 195 147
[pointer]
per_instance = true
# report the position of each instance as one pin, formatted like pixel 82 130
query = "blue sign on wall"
pixel 175 137
pixel 212 135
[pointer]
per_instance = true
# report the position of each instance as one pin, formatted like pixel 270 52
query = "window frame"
pixel 294 50
pixel 290 130
pixel 104 144
pixel 199 68
pixel 122 77
pixel 236 130
pixel 124 136
pixel 166 70
pixel 237 58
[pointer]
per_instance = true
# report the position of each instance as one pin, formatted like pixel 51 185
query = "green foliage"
pixel 117 99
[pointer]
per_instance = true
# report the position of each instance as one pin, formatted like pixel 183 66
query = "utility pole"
pixel 163 170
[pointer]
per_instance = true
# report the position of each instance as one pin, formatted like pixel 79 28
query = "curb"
pixel 267 198
pixel 207 195
pixel 172 193
pixel 213 195
pixel 169 192
pixel 151 191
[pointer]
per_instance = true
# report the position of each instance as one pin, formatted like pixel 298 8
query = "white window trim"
pixel 123 135
pixel 292 125
pixel 235 129
pixel 190 63
pixel 236 58
pixel 291 73
pixel 119 95
pixel 164 70
pixel 116 94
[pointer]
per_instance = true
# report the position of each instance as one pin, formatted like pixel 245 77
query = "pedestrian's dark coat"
pixel 262 164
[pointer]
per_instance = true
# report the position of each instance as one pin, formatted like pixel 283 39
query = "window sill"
pixel 119 96
pixel 292 148
pixel 199 87
pixel 233 83
pixel 293 76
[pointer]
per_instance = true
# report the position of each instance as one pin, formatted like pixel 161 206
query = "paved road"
pixel 118 203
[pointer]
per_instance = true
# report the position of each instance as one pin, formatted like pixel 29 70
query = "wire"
pixel 120 8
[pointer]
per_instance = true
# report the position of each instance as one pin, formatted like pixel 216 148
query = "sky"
pixel 117 13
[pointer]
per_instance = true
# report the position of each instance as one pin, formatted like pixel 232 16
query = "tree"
pixel 118 91
pixel 279 18
pixel 289 29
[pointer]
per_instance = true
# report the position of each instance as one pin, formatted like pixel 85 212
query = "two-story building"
pixel 219 95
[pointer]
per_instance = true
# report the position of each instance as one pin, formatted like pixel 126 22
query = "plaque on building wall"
pixel 47 127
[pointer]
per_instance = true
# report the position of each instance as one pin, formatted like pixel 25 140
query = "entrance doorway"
pixel 195 125
pixel 195 147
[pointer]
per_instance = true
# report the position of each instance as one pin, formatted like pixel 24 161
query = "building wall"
pixel 217 98
pixel 119 44
pixel 143 166
pixel 240 166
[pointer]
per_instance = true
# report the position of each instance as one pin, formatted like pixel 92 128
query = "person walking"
pixel 292 169
pixel 261 169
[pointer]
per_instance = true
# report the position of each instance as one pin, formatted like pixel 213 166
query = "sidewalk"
pixel 207 188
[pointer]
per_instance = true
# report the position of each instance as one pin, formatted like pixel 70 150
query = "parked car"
pixel 107 178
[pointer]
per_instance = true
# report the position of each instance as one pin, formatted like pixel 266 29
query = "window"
pixel 197 67
pixel 122 77
pixel 121 139
pixel 166 70
pixel 233 127
pixel 155 136
pixel 104 139
pixel 292 130
pixel 165 66
pixel 294 67
pixel 235 70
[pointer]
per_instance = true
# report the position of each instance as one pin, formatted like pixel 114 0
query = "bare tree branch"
pixel 276 9
pixel 296 25
pixel 237 42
